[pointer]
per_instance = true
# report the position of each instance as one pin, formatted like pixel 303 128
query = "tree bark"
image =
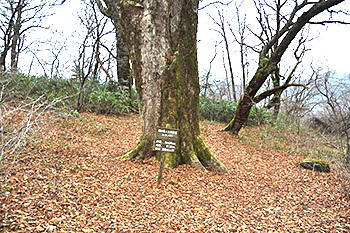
pixel 125 79
pixel 275 101
pixel 123 69
pixel 7 41
pixel 161 39
pixel 246 102
pixel 16 37
pixel 347 157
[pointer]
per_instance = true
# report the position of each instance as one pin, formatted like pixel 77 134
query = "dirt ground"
pixel 74 181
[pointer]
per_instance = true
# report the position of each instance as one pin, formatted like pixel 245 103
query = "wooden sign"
pixel 165 140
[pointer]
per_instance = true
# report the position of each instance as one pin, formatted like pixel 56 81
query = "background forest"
pixel 75 68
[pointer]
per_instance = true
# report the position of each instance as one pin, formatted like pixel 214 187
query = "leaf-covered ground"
pixel 74 181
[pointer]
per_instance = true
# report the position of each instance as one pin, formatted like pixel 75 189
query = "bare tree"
pixel 125 78
pixel 206 84
pixel 89 61
pixel 299 102
pixel 293 22
pixel 226 76
pixel 334 100
pixel 83 66
pixel 56 51
pixel 240 38
pixel 299 52
pixel 222 32
pixel 17 19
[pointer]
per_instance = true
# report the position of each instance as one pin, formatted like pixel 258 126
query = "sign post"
pixel 165 142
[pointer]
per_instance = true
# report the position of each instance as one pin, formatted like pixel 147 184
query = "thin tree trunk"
pixel 97 60
pixel 243 65
pixel 2 60
pixel 348 150
pixel 229 64
pixel 161 38
pixel 80 99
pixel 276 101
pixel 227 79
pixel 4 54
pixel 347 156
pixel 7 41
pixel 16 38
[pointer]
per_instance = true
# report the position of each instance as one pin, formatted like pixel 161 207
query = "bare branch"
pixel 215 3
pixel 330 21
pixel 209 70
pixel 270 92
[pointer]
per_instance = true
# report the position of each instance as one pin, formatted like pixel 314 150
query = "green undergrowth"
pixel 98 97
pixel 91 126
pixel 293 137
pixel 224 110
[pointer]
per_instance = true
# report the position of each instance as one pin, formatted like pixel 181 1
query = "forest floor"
pixel 72 180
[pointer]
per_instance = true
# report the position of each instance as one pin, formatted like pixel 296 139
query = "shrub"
pixel 106 98
pixel 102 100
pixel 258 116
pixel 224 111
pixel 216 110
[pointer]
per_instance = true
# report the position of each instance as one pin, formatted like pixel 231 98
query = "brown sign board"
pixel 165 140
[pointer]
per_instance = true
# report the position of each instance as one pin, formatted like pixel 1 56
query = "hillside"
pixel 72 180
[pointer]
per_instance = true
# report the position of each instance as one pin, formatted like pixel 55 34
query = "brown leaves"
pixel 73 182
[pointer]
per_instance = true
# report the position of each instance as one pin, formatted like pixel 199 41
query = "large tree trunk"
pixel 347 160
pixel 246 102
pixel 123 69
pixel 125 79
pixel 275 101
pixel 161 38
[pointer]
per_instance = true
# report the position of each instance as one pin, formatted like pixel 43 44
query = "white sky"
pixel 330 49
pixel 333 48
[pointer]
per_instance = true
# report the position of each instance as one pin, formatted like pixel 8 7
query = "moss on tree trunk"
pixel 246 102
pixel 268 62
pixel 161 38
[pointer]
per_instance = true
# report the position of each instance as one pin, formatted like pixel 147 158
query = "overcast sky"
pixel 331 49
